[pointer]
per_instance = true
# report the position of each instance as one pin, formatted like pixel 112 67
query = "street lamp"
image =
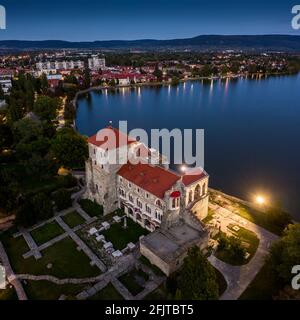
pixel 260 200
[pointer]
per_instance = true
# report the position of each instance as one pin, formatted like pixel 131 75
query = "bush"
pixel 231 250
pixel 91 208
pixel 62 199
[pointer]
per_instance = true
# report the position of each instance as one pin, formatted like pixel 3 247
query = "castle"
pixel 169 205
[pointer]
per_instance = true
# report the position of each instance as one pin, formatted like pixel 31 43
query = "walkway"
pixel 11 277
pixel 239 277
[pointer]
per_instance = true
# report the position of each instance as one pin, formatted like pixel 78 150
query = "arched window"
pixel 191 196
pixel 204 190
pixel 198 192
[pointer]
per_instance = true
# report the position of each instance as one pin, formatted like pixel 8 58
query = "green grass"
pixel 44 290
pixel 46 233
pixel 108 293
pixel 154 268
pixel 256 216
pixel 91 208
pixel 209 216
pixel 130 282
pixel 66 260
pixel 263 287
pixel 73 219
pixel 120 237
pixel 8 294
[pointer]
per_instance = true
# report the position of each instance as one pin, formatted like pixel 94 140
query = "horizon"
pixel 155 39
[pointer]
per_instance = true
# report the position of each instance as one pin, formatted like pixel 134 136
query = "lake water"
pixel 251 127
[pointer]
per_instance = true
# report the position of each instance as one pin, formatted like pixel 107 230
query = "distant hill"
pixel 204 42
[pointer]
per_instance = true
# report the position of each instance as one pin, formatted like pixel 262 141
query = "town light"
pixel 260 200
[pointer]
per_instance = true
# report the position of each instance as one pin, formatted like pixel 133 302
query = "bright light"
pixel 260 200
pixel 183 168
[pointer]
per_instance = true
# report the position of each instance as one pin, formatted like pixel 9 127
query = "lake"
pixel 252 127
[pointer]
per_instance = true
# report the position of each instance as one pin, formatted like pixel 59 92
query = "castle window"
pixel 131 198
pixel 148 209
pixel 139 203
pixel 97 188
pixel 174 203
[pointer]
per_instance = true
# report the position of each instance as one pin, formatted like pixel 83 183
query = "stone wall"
pixel 154 259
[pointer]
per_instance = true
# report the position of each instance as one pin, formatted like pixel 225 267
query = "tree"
pixel 285 253
pixel 158 73
pixel 87 78
pixel 2 96
pixel 42 207
pixel 62 199
pixel 44 83
pixel 6 138
pixel 197 279
pixel 70 149
pixel 175 81
pixel 46 107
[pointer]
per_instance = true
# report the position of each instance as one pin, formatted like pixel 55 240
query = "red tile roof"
pixel 193 176
pixel 153 179
pixel 119 139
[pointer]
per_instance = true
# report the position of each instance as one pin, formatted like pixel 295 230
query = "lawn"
pixel 108 293
pixel 209 216
pixel 66 261
pixel 120 237
pixel 131 282
pixel 73 219
pixel 93 209
pixel 44 290
pixel 263 287
pixel 8 294
pixel 46 233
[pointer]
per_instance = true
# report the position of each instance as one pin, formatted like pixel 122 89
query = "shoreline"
pixel 167 83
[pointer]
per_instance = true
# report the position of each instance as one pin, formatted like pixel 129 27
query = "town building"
pixel 168 204
pixel 6 76
pixel 49 67
pixel 96 63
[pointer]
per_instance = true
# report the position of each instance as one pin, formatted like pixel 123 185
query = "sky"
pixel 89 20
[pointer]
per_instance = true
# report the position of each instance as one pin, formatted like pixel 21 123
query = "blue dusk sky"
pixel 88 20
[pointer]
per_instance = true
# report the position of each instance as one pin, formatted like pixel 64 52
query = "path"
pixel 11 277
pixel 239 277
